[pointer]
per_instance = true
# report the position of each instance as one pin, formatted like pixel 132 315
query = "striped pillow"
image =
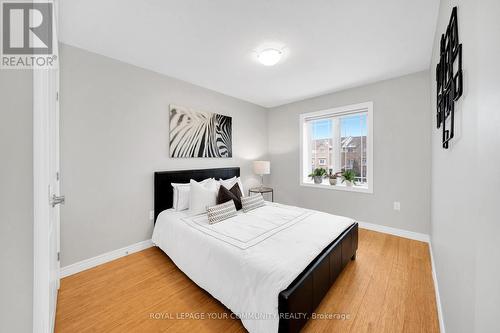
pixel 252 202
pixel 221 212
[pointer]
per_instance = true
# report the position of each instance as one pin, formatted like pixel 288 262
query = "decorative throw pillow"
pixel 238 192
pixel 221 212
pixel 252 202
pixel 226 195
pixel 229 183
pixel 201 196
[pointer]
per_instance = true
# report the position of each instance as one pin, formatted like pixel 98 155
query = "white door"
pixel 55 198
pixel 47 196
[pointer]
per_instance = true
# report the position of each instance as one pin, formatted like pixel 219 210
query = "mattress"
pixel 247 260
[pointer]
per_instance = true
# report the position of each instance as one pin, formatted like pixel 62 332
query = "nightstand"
pixel 262 190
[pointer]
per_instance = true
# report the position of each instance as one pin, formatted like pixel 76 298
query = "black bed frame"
pixel 303 295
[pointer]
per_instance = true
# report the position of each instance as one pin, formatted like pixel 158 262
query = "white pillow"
pixel 202 196
pixel 181 194
pixel 228 183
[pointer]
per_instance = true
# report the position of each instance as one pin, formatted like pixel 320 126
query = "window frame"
pixel 353 108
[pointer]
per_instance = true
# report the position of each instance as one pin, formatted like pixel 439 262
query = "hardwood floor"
pixel 388 288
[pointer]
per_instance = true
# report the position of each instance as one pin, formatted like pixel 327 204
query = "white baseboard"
pixel 394 231
pixel 104 258
pixel 436 290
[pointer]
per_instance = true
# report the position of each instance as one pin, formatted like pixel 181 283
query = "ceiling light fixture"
pixel 269 57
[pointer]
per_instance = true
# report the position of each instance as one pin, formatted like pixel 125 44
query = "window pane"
pixel 321 145
pixel 353 140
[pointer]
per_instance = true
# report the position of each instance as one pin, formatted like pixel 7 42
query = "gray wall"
pixel 401 154
pixel 16 201
pixel 115 135
pixel 488 243
pixel 465 228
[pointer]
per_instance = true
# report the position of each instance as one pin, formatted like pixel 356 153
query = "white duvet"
pixel 246 261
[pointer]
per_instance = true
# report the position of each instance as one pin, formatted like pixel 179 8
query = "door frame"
pixel 43 92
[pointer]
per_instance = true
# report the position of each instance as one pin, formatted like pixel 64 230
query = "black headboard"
pixel 164 192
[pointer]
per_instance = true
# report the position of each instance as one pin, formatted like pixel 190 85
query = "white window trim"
pixel 368 106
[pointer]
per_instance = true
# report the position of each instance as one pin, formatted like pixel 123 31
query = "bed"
pixel 271 267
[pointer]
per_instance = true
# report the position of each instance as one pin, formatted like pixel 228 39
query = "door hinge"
pixel 58 256
pixel 57 175
pixel 57 96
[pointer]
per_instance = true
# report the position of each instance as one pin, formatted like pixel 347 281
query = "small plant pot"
pixel 333 181
pixel 348 183
pixel 318 179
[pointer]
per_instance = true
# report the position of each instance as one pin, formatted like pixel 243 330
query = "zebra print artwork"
pixel 199 134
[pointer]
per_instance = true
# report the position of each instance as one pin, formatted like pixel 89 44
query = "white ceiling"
pixel 329 45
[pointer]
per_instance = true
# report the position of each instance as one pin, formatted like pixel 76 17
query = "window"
pixel 337 140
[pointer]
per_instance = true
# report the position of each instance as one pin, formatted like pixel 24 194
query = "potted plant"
pixel 349 177
pixel 318 174
pixel 333 178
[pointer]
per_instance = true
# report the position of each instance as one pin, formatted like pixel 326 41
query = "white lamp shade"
pixel 262 167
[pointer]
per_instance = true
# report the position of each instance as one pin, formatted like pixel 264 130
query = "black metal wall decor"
pixel 449 78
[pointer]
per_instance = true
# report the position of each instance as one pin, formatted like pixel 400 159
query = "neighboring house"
pixel 322 154
pixel 352 155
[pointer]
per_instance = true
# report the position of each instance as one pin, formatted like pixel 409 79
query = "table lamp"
pixel 262 168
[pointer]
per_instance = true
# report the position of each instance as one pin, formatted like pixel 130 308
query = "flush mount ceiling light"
pixel 269 57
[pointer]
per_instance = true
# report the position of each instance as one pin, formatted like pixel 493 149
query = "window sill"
pixel 339 187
